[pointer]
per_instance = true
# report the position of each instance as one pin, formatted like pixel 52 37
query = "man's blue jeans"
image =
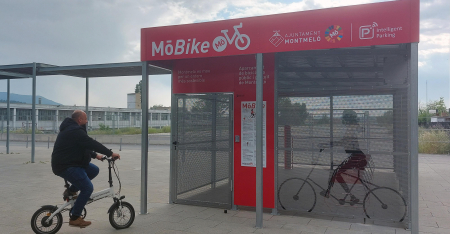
pixel 80 178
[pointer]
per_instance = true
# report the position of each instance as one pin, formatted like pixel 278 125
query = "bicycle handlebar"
pixel 110 158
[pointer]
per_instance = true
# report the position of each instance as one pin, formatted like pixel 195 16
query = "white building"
pixel 134 100
pixel 49 117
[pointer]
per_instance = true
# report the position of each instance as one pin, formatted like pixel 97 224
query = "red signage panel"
pixel 353 26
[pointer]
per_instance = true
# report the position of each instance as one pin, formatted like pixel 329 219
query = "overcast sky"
pixel 106 31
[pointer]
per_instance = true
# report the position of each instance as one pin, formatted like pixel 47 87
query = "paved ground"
pixel 24 187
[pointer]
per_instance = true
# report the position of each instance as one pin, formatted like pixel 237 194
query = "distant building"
pixel 440 119
pixel 134 100
pixel 49 117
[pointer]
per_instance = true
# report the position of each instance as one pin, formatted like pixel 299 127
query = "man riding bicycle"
pixel 71 158
pixel 357 159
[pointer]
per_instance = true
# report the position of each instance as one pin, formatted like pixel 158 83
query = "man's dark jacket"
pixel 74 148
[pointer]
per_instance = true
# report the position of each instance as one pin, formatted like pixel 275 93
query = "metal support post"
pixel 259 140
pixel 414 141
pixel 56 121
pixel 213 135
pixel 331 132
pixel 14 118
pixel 367 130
pixel 275 117
pixel 144 140
pixel 87 102
pixel 173 153
pixel 8 114
pixel 33 116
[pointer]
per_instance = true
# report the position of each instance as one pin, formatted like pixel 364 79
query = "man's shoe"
pixel 79 223
pixel 354 201
pixel 325 193
pixel 68 194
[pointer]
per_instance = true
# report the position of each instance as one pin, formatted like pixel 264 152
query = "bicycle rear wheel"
pixel 297 194
pixel 39 225
pixel 385 203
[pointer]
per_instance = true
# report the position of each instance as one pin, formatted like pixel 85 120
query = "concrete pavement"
pixel 25 186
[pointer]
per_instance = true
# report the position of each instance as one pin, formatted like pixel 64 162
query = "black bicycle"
pixel 382 203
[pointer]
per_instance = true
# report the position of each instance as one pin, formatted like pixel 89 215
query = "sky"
pixel 108 31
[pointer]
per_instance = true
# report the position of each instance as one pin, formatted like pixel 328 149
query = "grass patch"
pixel 434 141
pixel 24 131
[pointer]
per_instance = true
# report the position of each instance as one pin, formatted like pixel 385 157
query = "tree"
pixel 138 88
pixel 439 106
pixel 155 107
pixel 424 115
pixel 324 120
pixel 205 105
pixel 386 120
pixel 291 113
pixel 424 111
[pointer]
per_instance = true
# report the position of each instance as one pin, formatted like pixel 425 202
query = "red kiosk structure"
pixel 306 112
pixel 315 67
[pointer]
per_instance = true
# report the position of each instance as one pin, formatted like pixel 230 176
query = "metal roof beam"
pixel 13 74
pixel 349 52
pixel 87 67
pixel 353 88
pixel 331 69
pixel 378 80
pixel 13 66
pixel 313 63
pixel 349 74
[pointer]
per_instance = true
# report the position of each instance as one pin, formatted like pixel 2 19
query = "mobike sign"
pixel 383 23
pixel 222 38
pixel 242 42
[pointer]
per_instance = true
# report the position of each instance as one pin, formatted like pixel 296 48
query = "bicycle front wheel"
pixel 39 224
pixel 297 194
pixel 384 203
pixel 122 216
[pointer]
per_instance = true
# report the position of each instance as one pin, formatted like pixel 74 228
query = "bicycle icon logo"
pixel 242 41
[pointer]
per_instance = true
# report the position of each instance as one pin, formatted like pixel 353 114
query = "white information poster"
pixel 248 134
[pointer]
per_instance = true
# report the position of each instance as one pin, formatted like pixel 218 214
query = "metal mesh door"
pixel 204 149
pixel 343 132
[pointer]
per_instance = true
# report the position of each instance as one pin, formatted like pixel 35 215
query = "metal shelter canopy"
pixel 32 70
pixel 18 71
pixel 334 71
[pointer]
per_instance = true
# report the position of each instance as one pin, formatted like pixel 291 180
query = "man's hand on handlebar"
pixel 115 156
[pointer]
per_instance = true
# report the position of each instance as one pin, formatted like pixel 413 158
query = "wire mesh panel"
pixel 343 132
pixel 204 150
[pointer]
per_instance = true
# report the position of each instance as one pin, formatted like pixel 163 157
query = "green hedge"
pixel 127 131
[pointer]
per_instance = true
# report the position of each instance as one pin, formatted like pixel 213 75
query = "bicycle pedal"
pixel 352 203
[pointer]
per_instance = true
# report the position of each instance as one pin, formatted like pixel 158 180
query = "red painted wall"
pixel 235 74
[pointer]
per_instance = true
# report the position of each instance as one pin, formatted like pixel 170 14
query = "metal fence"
pixel 343 141
pixel 50 123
